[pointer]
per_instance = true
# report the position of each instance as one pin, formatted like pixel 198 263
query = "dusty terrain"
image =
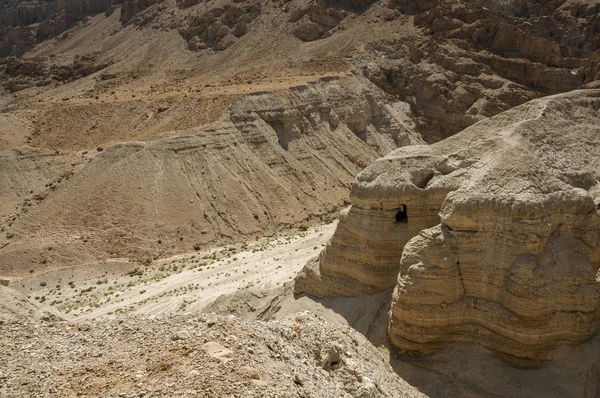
pixel 179 284
pixel 129 336
pixel 274 162
pixel 201 356
pixel 168 167
pixel 299 330
pixel 219 121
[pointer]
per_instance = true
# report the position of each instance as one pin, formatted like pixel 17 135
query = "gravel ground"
pixel 189 356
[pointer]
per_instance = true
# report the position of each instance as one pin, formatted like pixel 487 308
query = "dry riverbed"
pixel 183 283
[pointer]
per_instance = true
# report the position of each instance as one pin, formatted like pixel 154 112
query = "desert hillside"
pixel 143 129
pixel 417 179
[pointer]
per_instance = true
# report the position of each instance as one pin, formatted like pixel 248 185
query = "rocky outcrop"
pixel 591 71
pixel 219 27
pixel 21 73
pixel 363 255
pixel 21 13
pixel 23 24
pixel 132 8
pixel 480 58
pixel 490 236
pixel 273 162
pixel 318 18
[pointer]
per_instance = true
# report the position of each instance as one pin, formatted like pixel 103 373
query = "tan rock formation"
pixel 317 19
pixel 22 24
pixel 482 58
pixel 273 162
pixel 219 26
pixel 507 224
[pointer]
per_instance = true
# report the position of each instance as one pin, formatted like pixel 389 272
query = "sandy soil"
pixel 179 284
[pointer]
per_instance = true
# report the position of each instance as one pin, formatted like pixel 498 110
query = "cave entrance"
pixel 401 216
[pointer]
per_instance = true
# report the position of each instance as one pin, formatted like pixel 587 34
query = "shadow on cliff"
pixel 368 315
pixel 470 370
pixel 464 369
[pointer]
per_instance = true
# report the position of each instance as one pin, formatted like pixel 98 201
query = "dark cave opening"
pixel 402 216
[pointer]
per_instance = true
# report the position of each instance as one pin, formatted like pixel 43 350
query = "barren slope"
pixel 191 357
pixel 209 157
pixel 272 163
pixel 136 136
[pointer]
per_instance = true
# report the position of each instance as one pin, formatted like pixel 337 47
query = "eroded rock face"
pixel 318 18
pixel 21 74
pixel 219 27
pixel 25 23
pixel 483 57
pixel 495 233
pixel 131 8
pixel 274 161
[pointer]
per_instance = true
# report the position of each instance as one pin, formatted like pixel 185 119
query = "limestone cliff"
pixel 490 236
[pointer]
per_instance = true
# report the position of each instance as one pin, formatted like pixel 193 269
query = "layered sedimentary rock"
pixel 220 26
pixel 491 236
pixel 25 23
pixel 484 57
pixel 316 19
pixel 274 161
pixel 391 202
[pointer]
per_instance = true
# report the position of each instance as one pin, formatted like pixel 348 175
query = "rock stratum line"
pixel 489 236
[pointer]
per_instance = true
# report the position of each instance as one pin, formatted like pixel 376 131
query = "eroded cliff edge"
pixel 489 236
pixel 273 161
